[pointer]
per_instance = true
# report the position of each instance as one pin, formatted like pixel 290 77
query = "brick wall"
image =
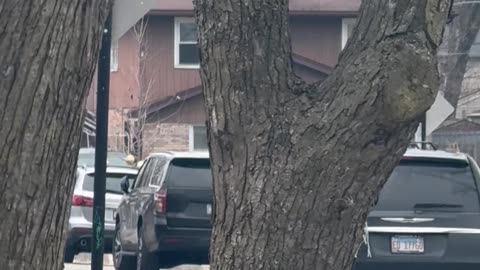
pixel 165 137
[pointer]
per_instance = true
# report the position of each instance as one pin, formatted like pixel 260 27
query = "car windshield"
pixel 430 186
pixel 112 184
pixel 115 159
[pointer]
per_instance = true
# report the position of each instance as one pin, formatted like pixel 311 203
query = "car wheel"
pixel 69 255
pixel 145 260
pixel 120 261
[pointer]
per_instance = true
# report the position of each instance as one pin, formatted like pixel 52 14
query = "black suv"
pixel 164 219
pixel 427 215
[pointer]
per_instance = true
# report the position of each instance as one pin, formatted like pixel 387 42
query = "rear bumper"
pixel 375 264
pixel 445 248
pixel 416 262
pixel 168 239
pixel 79 237
pixel 183 239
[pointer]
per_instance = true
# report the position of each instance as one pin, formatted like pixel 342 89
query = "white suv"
pixel 79 232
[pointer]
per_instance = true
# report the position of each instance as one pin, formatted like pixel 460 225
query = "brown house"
pixel 155 69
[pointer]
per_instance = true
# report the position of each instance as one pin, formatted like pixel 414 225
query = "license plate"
pixel 408 244
pixel 209 209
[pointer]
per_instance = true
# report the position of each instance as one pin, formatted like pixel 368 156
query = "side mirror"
pixel 125 185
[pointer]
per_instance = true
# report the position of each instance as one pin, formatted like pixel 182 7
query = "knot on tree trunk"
pixel 342 204
pixel 412 79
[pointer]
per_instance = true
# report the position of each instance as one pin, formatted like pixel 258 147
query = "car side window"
pixel 158 171
pixel 141 174
pixel 147 174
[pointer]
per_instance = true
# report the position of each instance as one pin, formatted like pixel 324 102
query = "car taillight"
pixel 161 201
pixel 79 200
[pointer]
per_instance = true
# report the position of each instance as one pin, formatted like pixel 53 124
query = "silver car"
pixel 79 232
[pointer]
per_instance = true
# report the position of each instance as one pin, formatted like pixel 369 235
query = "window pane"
pixel 112 184
pixel 410 185
pixel 141 173
pixel 189 54
pixel 115 159
pixel 189 173
pixel 188 32
pixel 149 172
pixel 158 171
pixel 200 141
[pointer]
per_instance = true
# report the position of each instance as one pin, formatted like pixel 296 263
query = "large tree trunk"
pixel 458 40
pixel 48 52
pixel 297 166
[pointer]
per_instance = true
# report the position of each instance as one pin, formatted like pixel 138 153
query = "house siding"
pixel 308 75
pixel 124 85
pixel 167 79
pixel 324 32
pixel 317 38
pixel 190 111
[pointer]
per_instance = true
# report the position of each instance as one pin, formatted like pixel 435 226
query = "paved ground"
pixel 83 267
pixel 82 262
pixel 77 266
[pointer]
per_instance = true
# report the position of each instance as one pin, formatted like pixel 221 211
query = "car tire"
pixel 120 261
pixel 145 260
pixel 69 255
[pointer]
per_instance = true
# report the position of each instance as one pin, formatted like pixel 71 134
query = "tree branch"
pixel 390 62
pixel 286 156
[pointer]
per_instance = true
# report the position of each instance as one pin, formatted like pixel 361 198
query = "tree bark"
pixel 48 52
pixel 459 38
pixel 297 166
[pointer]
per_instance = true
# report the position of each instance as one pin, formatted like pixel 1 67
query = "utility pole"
pixel 124 15
pixel 103 87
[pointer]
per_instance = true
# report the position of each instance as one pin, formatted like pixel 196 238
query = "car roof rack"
pixel 422 145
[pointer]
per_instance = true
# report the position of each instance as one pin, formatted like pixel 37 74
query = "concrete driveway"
pixel 74 266
pixel 82 262
pixel 78 266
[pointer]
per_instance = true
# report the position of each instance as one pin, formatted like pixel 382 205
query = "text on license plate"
pixel 408 244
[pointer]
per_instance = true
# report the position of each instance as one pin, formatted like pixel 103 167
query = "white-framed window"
pixel 198 138
pixel 114 56
pixel 186 43
pixel 347 28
